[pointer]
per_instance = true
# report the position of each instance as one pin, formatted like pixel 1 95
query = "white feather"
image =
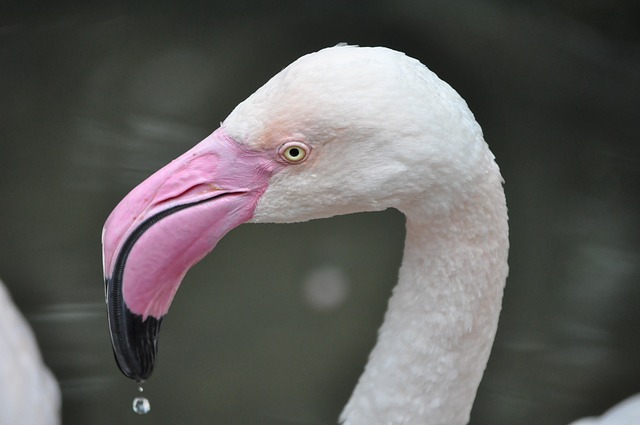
pixel 626 412
pixel 29 393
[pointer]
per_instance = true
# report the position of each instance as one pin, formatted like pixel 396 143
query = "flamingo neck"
pixel 441 321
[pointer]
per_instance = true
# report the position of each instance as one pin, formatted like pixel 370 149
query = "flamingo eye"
pixel 294 152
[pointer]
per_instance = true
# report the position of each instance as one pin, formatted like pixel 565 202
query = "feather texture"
pixel 29 393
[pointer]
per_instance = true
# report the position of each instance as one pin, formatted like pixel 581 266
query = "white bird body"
pixel 29 393
pixel 627 412
pixel 342 130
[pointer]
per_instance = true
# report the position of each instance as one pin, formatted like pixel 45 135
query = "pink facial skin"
pixel 218 182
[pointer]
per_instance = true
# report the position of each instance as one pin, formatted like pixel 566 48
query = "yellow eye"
pixel 294 152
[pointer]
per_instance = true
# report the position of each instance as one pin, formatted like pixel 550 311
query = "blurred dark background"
pixel 96 96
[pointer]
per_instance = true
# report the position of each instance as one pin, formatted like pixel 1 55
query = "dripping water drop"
pixel 141 405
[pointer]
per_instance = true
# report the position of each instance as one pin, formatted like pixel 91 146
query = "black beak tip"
pixel 136 351
pixel 134 340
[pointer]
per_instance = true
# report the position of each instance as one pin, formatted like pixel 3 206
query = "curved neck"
pixel 442 317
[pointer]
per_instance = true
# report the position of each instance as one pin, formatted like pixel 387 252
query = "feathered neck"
pixel 442 318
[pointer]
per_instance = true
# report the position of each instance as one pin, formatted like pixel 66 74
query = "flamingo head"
pixel 342 130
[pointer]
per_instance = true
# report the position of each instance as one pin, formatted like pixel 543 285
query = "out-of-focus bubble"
pixel 325 287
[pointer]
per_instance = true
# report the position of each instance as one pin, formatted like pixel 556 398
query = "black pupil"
pixel 294 152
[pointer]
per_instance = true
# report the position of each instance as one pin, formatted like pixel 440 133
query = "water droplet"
pixel 141 405
pixel 140 389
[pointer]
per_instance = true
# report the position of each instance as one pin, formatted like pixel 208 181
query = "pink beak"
pixel 166 225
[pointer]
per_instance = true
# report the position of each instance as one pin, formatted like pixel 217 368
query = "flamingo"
pixel 29 393
pixel 342 130
pixel 626 412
